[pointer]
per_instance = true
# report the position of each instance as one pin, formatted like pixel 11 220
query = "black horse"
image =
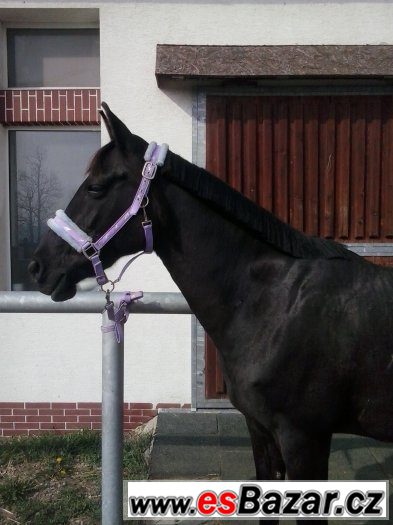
pixel 303 326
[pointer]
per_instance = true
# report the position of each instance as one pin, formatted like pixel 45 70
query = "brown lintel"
pixel 253 62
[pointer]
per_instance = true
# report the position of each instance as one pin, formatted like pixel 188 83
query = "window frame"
pixel 5 217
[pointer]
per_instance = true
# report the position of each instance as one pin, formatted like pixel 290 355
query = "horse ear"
pixel 106 122
pixel 119 133
pixel 117 130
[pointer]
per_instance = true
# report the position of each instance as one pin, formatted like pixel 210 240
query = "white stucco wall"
pixel 49 357
pixel 58 358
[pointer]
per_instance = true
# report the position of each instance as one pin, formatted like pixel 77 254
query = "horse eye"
pixel 96 189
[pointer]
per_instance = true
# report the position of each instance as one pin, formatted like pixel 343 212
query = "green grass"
pixel 55 480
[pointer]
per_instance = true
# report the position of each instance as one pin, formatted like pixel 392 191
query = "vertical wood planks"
pixel 265 153
pixel 322 163
pixel 280 159
pixel 311 163
pixel 216 136
pixel 235 144
pixel 358 168
pixel 216 162
pixel 250 147
pixel 296 171
pixel 373 166
pixel 342 200
pixel 327 160
pixel 387 169
pixel 214 380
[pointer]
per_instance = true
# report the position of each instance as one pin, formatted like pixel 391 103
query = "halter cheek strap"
pixel 65 228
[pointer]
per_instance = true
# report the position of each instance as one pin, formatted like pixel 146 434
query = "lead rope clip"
pixel 119 315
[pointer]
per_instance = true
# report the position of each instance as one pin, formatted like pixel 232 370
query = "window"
pixel 46 168
pixel 53 57
pixel 53 80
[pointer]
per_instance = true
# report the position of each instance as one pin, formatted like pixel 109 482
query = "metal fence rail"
pixel 112 374
pixel 90 303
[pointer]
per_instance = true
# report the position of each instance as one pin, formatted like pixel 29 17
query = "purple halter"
pixel 63 226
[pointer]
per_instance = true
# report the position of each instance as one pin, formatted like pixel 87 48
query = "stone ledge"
pixel 252 62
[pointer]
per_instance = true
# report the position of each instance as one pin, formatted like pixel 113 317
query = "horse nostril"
pixel 34 269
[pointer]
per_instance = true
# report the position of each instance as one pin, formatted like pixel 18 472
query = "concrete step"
pixel 201 445
pixel 216 445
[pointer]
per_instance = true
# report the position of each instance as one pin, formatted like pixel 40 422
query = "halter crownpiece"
pixel 65 228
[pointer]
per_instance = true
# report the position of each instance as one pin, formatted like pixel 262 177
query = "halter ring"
pixel 108 290
pixel 144 204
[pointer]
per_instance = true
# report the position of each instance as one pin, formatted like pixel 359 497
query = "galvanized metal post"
pixel 112 427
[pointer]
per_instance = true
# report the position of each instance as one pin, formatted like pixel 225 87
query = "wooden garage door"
pixel 324 164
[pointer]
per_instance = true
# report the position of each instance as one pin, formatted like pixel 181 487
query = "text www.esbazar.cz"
pixel 251 501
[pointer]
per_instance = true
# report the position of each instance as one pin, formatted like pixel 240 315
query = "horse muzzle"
pixel 56 284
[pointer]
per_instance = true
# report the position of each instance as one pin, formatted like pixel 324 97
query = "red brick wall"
pixel 44 107
pixel 60 418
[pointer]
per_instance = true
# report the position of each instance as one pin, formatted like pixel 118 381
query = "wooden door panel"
pixel 324 164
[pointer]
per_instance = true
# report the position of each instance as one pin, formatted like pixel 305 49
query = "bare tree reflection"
pixel 38 193
pixel 45 171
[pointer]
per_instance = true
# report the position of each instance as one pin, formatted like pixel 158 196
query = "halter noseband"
pixel 65 228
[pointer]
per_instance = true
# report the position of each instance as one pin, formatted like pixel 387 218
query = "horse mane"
pixel 238 208
pixel 246 213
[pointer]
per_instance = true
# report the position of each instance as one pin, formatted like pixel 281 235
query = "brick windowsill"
pixel 43 107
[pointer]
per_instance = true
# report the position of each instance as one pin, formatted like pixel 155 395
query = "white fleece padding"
pixel 59 230
pixel 62 215
pixel 162 154
pixel 61 227
pixel 149 152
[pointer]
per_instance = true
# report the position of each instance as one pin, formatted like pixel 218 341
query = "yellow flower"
pixel 62 472
pixel 59 459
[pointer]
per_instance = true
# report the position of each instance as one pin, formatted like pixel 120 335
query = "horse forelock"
pixel 96 165
pixel 241 210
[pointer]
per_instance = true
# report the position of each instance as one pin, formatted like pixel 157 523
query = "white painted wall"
pixel 57 358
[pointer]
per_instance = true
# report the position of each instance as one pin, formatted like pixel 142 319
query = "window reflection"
pixel 46 168
pixel 53 58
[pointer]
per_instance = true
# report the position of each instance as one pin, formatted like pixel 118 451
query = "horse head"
pixel 107 191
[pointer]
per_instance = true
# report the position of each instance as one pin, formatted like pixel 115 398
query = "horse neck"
pixel 209 257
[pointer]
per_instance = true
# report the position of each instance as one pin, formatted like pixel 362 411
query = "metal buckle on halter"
pixel 149 170
pixel 89 246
